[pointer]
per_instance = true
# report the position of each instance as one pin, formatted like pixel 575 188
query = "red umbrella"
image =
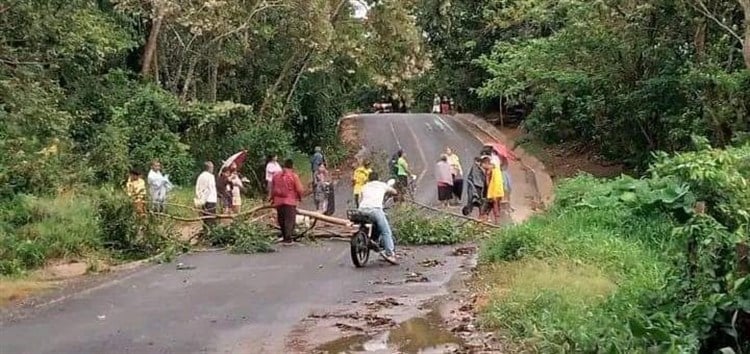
pixel 237 159
pixel 502 151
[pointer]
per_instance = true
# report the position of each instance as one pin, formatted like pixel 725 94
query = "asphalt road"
pixel 245 303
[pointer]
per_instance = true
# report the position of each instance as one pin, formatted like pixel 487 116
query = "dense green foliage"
pixel 413 226
pixel 644 270
pixel 91 89
pixel 34 230
pixel 623 78
pixel 243 237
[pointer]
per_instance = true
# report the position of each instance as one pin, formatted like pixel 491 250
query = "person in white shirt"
pixel 205 192
pixel 159 185
pixel 373 195
pixel 272 167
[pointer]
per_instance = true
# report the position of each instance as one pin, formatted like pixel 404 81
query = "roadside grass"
pixel 302 167
pixel 574 279
pixel 96 225
pixel 34 230
pixel 181 203
pixel 86 226
pixel 15 289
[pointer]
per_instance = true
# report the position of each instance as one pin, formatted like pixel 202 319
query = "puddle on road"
pixel 420 335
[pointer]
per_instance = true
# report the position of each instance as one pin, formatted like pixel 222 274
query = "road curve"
pixel 244 303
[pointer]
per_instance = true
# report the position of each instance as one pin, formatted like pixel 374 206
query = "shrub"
pixel 681 285
pixel 225 128
pixel 549 300
pixel 243 237
pixel 39 229
pixel 126 234
pixel 411 227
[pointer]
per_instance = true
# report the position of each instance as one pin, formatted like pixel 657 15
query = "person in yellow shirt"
pixel 136 190
pixel 495 190
pixel 360 176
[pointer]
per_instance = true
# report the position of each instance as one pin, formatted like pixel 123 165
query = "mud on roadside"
pixel 388 321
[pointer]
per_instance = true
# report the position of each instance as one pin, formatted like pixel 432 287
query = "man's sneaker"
pixel 390 258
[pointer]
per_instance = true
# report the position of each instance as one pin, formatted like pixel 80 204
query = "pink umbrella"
pixel 237 159
pixel 502 151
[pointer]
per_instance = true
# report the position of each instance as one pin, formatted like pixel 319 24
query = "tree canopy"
pixel 93 88
pixel 624 78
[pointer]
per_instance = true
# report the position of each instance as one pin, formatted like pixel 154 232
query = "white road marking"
pixel 439 118
pixel 439 124
pixel 421 155
pixel 393 130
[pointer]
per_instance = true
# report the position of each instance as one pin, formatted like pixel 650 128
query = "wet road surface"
pixel 247 303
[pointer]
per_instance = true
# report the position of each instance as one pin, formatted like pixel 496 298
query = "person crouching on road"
pixel 286 193
pixel 444 181
pixel 373 194
pixel 360 176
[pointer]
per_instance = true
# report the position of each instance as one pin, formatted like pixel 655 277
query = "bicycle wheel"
pixel 360 251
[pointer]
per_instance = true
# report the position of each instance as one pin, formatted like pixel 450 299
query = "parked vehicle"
pixel 382 107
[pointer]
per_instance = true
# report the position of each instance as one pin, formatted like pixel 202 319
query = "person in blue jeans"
pixel 373 195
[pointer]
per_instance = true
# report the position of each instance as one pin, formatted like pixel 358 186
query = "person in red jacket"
pixel 286 193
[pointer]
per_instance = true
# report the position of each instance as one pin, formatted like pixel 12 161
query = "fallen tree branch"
pixel 468 218
pixel 324 218
pixel 214 216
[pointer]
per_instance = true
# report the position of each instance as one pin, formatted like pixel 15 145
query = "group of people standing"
pixel 285 190
pixel 443 106
pixel 230 187
pixel 158 187
pixel 488 186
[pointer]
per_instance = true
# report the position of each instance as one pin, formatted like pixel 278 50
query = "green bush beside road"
pixel 629 265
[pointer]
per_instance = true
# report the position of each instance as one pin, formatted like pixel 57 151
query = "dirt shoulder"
pixel 562 160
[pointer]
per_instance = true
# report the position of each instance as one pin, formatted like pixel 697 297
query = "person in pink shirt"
pixel 444 179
